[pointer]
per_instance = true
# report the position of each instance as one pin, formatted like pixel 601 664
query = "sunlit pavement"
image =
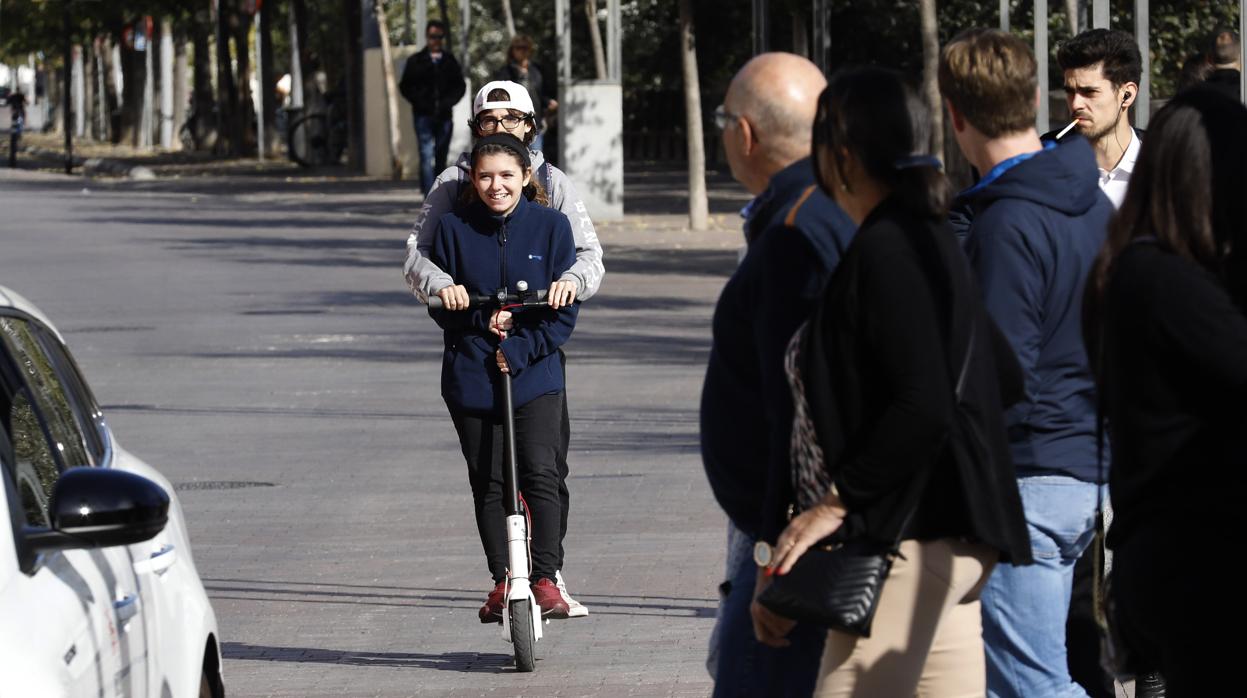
pixel 252 338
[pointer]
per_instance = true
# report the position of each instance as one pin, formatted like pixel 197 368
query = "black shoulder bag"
pixel 835 587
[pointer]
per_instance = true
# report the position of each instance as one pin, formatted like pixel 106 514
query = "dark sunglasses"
pixel 436 36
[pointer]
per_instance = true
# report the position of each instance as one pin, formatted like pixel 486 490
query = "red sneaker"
pixel 550 599
pixel 491 612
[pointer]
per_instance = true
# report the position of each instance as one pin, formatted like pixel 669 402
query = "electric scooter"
pixel 521 624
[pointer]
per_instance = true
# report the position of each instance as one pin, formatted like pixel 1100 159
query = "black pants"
pixel 1175 594
pixel 539 437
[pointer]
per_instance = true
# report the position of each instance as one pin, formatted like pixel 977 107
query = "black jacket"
pixel 432 88
pixel 796 236
pixel 1175 394
pixel 882 353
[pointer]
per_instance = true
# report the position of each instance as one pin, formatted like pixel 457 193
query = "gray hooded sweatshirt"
pixel 425 279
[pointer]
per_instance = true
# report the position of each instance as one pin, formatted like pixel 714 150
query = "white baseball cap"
pixel 519 99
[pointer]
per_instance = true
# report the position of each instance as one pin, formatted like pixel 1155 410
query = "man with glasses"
pixel 506 107
pixel 795 236
pixel 433 83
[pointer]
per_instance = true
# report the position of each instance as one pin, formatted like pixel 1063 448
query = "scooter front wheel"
pixel 523 638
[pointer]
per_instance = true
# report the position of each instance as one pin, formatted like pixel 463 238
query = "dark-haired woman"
pixel 878 365
pixel 497 238
pixel 1167 334
pixel 505 107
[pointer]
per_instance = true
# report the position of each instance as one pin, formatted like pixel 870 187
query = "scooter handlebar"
pixel 485 300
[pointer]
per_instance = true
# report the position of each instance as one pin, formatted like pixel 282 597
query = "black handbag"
pixel 837 587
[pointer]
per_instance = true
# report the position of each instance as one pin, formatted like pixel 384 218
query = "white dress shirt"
pixel 1114 182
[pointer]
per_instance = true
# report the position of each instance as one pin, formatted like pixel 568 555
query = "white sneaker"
pixel 575 609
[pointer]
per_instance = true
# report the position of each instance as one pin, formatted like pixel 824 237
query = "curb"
pixel 98 166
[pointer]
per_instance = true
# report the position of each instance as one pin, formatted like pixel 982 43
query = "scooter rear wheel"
pixel 523 638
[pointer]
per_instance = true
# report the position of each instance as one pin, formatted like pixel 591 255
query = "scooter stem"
pixel 510 470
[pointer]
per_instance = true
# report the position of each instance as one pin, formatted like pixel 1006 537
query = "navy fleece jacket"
pixel 485 252
pixel 1035 232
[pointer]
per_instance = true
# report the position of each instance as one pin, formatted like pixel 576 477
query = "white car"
pixel 98 591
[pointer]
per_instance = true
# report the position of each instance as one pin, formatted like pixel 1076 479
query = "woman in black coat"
pixel 901 456
pixel 1167 334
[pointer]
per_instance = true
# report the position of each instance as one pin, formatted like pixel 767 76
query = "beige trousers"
pixel 927 637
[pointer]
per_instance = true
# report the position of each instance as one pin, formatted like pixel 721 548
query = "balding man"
pixel 795 236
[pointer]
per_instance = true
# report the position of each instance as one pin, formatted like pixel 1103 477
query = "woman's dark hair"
pixel 1188 191
pixel 533 191
pixel 872 113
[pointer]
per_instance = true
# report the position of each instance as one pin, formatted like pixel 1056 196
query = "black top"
pixel 1175 394
pixel 433 88
pixel 879 380
pixel 796 237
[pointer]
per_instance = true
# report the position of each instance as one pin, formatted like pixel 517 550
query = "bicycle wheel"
pixel 309 142
pixel 522 636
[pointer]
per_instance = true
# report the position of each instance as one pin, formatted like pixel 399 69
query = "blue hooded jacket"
pixel 1035 231
pixel 485 252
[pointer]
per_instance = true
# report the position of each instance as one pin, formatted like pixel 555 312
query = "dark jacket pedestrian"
pixel 433 83
pixel 1167 330
pixel 433 87
pixel 1038 224
pixel 796 236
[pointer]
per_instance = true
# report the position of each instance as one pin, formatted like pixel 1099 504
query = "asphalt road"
pixel 252 338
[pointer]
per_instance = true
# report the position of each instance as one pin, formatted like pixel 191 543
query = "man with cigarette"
pixel 1102 69
pixel 1037 219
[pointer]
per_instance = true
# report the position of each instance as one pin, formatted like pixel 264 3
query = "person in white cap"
pixel 502 106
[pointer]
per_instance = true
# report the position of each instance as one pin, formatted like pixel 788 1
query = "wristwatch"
pixel 763 553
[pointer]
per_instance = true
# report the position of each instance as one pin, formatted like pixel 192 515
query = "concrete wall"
pixel 376 136
pixel 591 145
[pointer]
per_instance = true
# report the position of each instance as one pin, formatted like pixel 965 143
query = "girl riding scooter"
pixel 496 239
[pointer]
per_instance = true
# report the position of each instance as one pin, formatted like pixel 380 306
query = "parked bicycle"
pixel 316 138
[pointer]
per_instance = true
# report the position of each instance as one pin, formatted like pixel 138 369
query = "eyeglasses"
pixel 722 117
pixel 435 36
pixel 489 124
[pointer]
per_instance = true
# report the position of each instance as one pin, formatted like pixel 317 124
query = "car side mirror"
pixel 100 507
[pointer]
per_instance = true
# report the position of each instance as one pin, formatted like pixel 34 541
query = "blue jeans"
pixel 433 136
pixel 742 666
pixel 1024 608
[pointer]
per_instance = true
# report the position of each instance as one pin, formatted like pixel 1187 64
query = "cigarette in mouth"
pixel 1066 130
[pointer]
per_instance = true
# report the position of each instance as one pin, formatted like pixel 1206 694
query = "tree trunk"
pixel 179 87
pixel 131 96
pixel 352 48
pixel 167 125
pixel 90 111
pixel 391 91
pixel 698 204
pixel 510 18
pixel 268 100
pixel 1071 12
pixel 107 92
pixel 298 21
pixel 595 38
pixel 205 126
pixel 244 106
pixel 930 74
pixel 227 91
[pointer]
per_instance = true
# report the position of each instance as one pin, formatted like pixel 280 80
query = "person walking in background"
pixel 1038 220
pixel 1102 70
pixel 1226 56
pixel 470 245
pixel 795 236
pixel 1167 332
pixel 901 374
pixel 521 69
pixel 433 83
pixel 505 108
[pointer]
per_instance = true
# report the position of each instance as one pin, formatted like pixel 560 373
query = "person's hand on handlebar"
pixel 502 361
pixel 454 297
pixel 562 293
pixel 500 323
